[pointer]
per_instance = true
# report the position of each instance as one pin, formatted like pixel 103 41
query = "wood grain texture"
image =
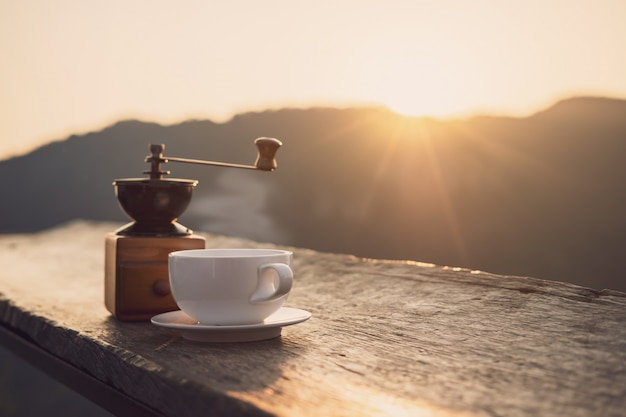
pixel 386 338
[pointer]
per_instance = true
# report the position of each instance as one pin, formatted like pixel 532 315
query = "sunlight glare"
pixel 416 87
pixel 411 77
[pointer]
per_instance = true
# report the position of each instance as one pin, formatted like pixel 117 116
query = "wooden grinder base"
pixel 136 285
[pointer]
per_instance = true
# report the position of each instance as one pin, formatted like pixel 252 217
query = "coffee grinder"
pixel 136 255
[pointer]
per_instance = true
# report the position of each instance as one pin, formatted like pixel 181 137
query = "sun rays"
pixel 377 176
pixel 401 139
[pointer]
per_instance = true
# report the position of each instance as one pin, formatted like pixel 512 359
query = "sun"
pixel 408 76
pixel 414 89
pixel 425 97
pixel 424 100
pixel 406 106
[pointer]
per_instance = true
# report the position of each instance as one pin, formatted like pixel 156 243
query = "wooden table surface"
pixel 385 338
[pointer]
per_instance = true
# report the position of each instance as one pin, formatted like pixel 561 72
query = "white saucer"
pixel 192 330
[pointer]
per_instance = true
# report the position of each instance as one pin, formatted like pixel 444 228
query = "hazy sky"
pixel 70 66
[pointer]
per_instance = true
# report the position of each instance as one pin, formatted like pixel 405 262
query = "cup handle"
pixel 268 289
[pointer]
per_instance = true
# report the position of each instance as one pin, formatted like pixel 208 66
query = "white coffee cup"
pixel 230 286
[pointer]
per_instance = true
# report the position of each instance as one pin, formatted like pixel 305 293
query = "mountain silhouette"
pixel 540 196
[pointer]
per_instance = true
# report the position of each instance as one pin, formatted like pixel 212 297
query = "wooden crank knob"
pixel 267 148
